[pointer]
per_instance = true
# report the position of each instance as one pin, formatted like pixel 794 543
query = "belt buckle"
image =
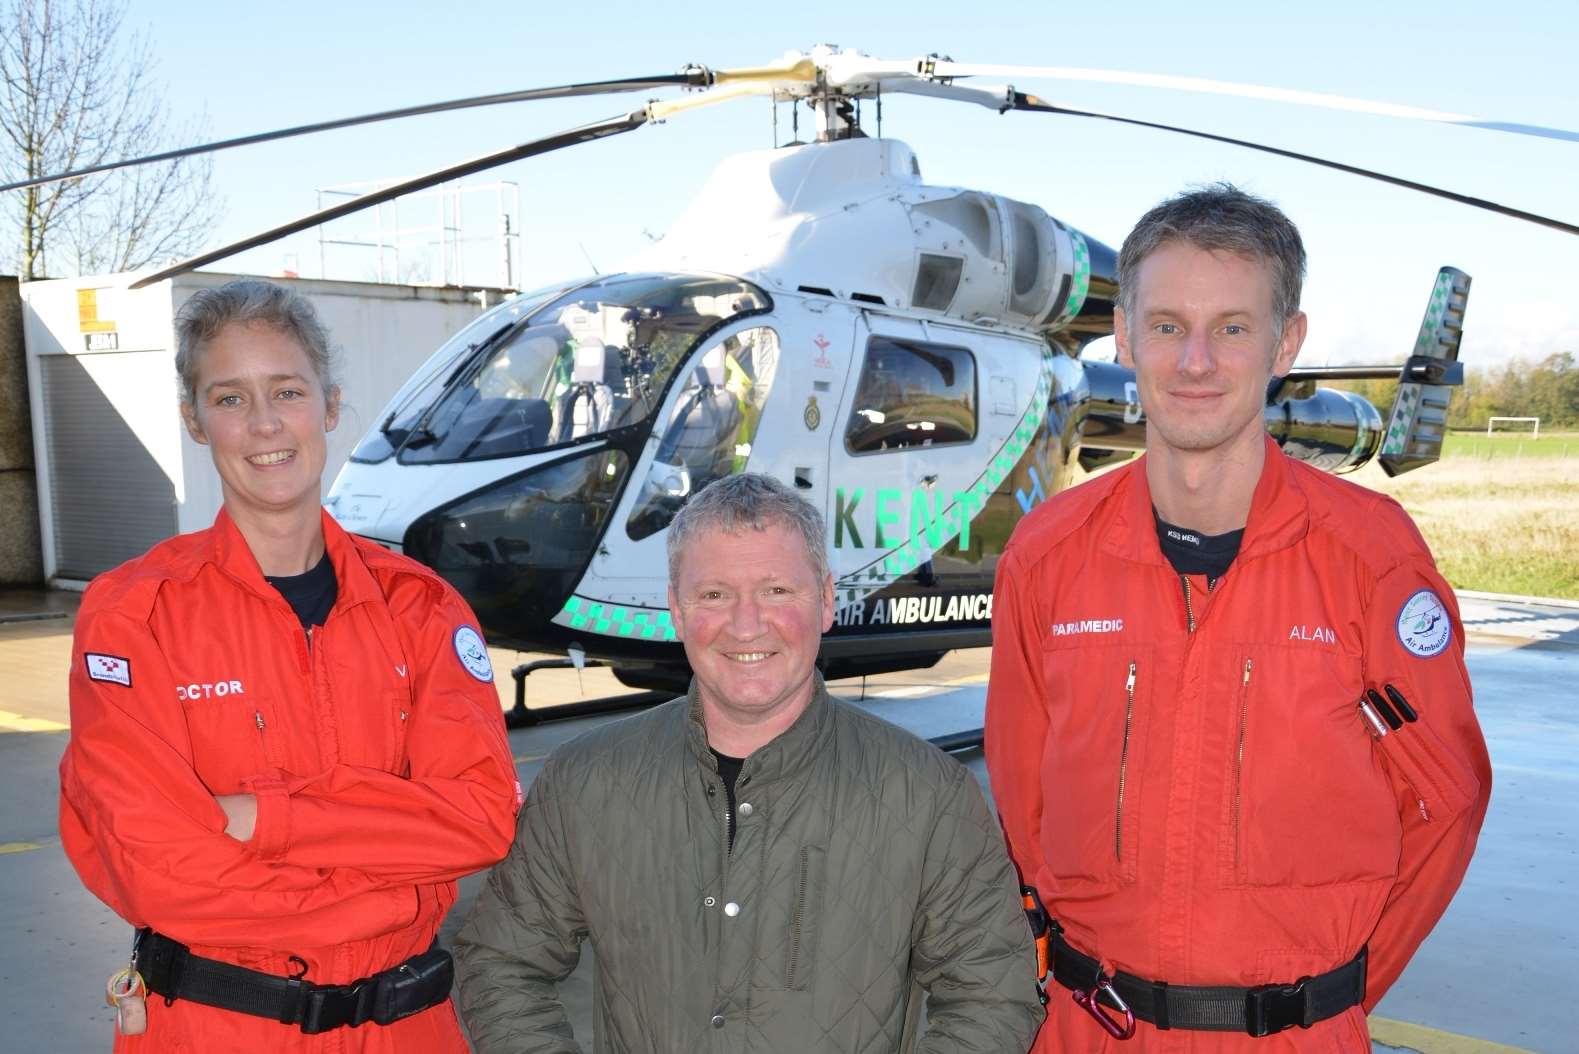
pixel 1271 1008
pixel 1086 999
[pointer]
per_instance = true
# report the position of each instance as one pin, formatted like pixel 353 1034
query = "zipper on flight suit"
pixel 1189 610
pixel 1239 755
pixel 1123 762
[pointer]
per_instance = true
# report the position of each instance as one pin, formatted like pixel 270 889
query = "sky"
pixel 1373 249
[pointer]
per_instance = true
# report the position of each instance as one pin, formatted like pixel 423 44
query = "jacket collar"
pixel 228 551
pixel 784 756
pixel 1279 512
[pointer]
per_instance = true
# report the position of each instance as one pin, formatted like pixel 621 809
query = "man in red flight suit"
pixel 1229 726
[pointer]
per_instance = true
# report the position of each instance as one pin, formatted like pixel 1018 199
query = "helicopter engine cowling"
pixel 851 219
pixel 1336 431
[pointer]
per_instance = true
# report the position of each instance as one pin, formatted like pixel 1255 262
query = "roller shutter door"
pixel 111 501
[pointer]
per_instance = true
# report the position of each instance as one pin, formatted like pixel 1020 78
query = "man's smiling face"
pixel 751 612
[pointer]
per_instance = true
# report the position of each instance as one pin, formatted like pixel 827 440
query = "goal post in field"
pixel 1536 421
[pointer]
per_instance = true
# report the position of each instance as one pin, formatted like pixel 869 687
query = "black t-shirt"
pixel 729 771
pixel 310 595
pixel 1193 553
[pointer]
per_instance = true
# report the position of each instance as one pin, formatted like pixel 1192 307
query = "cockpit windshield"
pixel 588 361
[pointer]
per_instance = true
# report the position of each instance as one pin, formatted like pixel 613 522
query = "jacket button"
pixel 708 902
pixel 745 809
pixel 731 909
pixel 718 1020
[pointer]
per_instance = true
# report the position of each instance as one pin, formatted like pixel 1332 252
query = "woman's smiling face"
pixel 263 411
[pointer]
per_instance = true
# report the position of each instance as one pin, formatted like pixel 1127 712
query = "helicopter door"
pixel 729 411
pixel 912 437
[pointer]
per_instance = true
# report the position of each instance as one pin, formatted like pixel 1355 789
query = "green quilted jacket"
pixel 865 867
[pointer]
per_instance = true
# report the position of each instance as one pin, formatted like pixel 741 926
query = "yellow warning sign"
pixel 88 320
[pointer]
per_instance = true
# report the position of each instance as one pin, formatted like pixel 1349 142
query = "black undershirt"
pixel 1193 553
pixel 729 771
pixel 310 595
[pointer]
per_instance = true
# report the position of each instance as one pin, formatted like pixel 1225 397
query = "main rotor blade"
pixel 691 76
pixel 585 133
pixel 1032 104
pixel 943 69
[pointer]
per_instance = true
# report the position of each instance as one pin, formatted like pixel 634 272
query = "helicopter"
pixel 907 356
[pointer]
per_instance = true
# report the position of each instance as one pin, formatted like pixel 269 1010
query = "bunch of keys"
pixel 127 993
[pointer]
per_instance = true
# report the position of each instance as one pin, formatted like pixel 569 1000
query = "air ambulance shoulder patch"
pixel 111 668
pixel 473 654
pixel 1424 628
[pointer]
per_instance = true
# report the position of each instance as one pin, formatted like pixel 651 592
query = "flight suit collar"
pixel 784 756
pixel 228 551
pixel 1279 513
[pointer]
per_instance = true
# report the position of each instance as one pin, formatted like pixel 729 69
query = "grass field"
pixel 1498 518
pixel 1516 445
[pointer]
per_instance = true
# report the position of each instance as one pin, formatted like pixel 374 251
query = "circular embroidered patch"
pixel 1423 626
pixel 472 654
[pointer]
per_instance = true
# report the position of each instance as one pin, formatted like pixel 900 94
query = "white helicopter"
pixel 906 355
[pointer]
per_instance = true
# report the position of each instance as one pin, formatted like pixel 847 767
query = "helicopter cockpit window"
pixel 912 394
pixel 713 425
pixel 595 359
pixel 417 394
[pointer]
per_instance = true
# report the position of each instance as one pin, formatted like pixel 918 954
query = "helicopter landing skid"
pixel 521 717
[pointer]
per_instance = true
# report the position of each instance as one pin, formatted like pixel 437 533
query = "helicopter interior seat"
pixel 589 407
pixel 701 436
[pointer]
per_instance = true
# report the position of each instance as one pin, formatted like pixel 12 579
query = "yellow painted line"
pixel 10 722
pixel 1433 1040
pixel 970 678
pixel 523 759
pixel 25 847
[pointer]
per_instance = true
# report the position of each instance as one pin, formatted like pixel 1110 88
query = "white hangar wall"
pixel 116 471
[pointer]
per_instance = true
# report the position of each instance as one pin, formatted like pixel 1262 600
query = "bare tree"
pixel 77 90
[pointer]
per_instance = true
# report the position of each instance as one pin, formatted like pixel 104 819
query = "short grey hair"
pixel 1219 217
pixel 248 301
pixel 752 500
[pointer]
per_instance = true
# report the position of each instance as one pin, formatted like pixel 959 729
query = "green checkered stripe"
pixel 1435 312
pixel 1403 416
pixel 915 551
pixel 616 620
pixel 1426 343
pixel 1080 283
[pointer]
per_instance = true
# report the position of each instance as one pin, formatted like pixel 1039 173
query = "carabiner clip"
pixel 1086 999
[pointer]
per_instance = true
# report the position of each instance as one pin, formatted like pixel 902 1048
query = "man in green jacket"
pixel 759 867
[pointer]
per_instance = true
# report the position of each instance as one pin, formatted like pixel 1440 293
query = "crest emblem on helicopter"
pixel 813 414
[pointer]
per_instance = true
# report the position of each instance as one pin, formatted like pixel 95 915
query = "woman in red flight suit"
pixel 285 742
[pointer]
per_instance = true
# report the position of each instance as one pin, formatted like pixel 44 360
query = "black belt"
pixel 1260 1011
pixel 171 970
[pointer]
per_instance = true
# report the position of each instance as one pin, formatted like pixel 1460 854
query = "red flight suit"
pixel 1205 805
pixel 378 756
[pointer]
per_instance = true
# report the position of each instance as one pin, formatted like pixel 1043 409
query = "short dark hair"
pixel 248 301
pixel 749 499
pixel 1220 217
